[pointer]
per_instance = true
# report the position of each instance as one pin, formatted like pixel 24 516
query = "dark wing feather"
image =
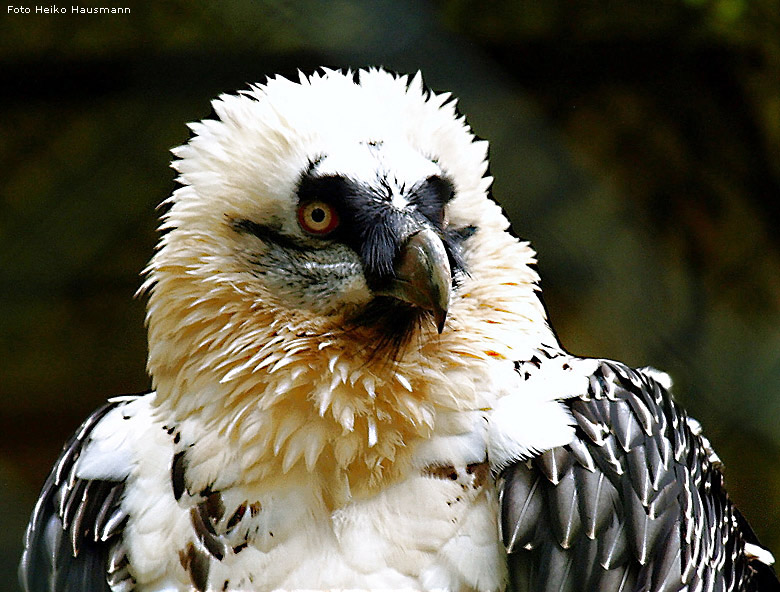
pixel 634 503
pixel 72 542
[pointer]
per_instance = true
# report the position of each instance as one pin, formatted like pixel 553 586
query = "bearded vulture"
pixel 356 387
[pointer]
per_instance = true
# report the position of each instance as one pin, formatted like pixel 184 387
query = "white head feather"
pixel 219 335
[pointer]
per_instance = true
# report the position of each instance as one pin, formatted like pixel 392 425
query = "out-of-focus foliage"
pixel 635 143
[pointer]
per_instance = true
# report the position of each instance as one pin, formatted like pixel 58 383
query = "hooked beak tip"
pixel 423 275
pixel 441 317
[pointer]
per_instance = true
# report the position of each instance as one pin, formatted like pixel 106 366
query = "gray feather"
pixel 554 463
pixel 73 525
pixel 521 505
pixel 632 504
pixel 625 426
pixel 613 545
pixel 565 515
pixel 666 570
pixel 555 566
pixel 597 500
pixel 639 476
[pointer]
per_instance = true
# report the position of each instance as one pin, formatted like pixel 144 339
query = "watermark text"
pixel 63 9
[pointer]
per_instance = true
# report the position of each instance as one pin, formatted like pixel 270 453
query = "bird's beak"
pixel 422 275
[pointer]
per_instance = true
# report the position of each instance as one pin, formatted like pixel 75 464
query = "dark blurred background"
pixel 636 144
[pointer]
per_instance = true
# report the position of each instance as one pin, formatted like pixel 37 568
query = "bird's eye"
pixel 318 218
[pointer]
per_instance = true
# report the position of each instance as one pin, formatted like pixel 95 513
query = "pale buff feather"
pixel 292 390
pixel 283 400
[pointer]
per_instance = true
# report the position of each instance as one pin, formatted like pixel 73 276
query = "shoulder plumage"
pixel 73 540
pixel 634 501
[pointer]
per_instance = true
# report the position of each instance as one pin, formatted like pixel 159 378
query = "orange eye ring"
pixel 317 218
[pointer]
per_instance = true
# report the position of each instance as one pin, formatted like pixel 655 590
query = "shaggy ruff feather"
pixel 283 387
pixel 274 387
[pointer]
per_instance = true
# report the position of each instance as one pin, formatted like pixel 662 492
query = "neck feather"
pixel 284 391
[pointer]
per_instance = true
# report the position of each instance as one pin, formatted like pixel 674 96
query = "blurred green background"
pixel 636 144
